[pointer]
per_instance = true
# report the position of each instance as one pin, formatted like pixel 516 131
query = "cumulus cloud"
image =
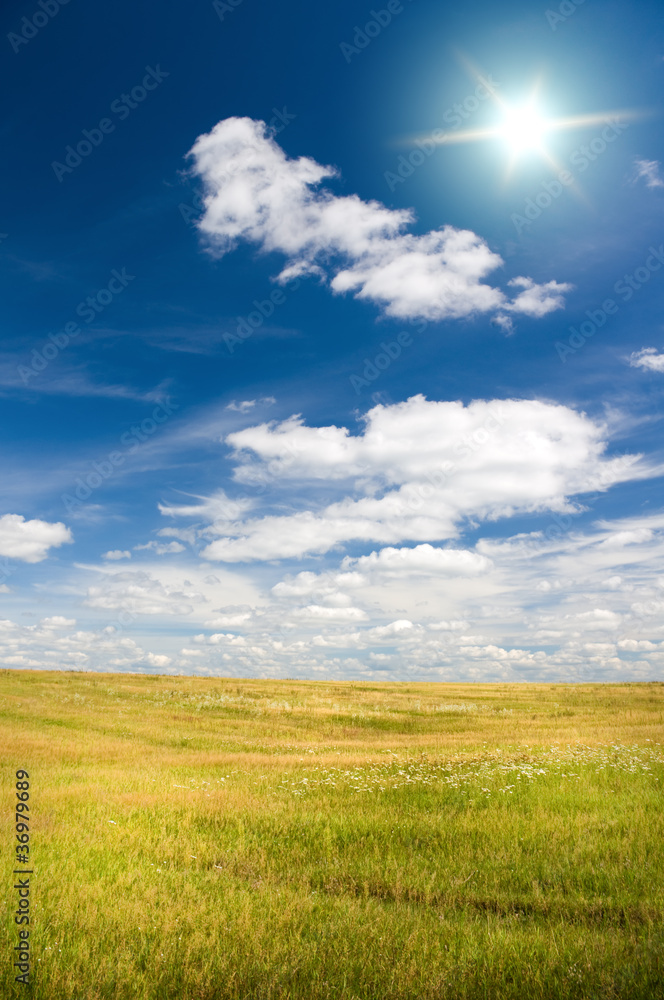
pixel 52 645
pixel 254 193
pixel 537 300
pixel 116 554
pixel 139 593
pixel 158 660
pixel 319 612
pixel 30 541
pixel 415 473
pixel 58 622
pixel 647 358
pixel 423 559
pixel 423 612
pixel 648 170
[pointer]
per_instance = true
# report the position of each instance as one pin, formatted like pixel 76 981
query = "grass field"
pixel 197 839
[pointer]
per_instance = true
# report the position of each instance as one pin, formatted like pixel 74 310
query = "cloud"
pixel 248 404
pixel 139 593
pixel 401 627
pixel 647 358
pixel 57 622
pixel 318 612
pixel 51 645
pixel 161 548
pixel 158 660
pixel 71 382
pixel 537 300
pixel 417 471
pixel 115 554
pixel 254 193
pixel 30 541
pixel 217 507
pixel 635 536
pixel 649 171
pixel 423 559
pixel 412 613
pixel 231 616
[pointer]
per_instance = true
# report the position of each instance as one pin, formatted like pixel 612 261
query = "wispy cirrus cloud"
pixel 649 171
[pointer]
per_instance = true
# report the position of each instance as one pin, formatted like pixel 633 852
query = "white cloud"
pixel 303 585
pixel 242 407
pixel 444 626
pixel 635 536
pixel 158 660
pixel 423 559
pixel 225 639
pixel 418 470
pixel 30 541
pixel 637 645
pixel 647 358
pixel 255 193
pixel 230 616
pixel 649 171
pixel 161 548
pixel 51 645
pixel 245 405
pixel 400 627
pixel 218 507
pixel 537 300
pixel 116 554
pixel 317 612
pixel 57 622
pixel 139 593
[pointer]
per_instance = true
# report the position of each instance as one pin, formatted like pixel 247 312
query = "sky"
pixel 332 341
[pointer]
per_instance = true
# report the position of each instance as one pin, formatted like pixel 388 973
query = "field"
pixel 204 839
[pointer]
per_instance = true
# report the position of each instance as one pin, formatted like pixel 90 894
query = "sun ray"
pixel 550 125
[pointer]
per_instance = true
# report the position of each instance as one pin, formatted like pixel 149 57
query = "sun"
pixel 523 129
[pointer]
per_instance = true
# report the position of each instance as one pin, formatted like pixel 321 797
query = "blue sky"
pixel 314 362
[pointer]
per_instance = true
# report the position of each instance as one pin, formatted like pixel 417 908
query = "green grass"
pixel 197 839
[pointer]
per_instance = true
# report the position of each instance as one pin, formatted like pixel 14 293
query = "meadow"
pixel 209 839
